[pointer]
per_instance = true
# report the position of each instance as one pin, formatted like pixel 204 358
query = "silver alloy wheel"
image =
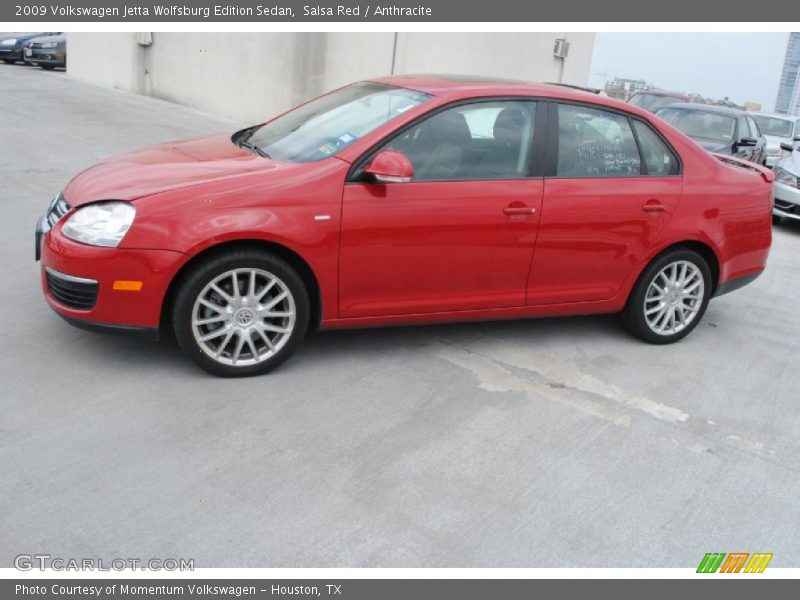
pixel 243 317
pixel 674 297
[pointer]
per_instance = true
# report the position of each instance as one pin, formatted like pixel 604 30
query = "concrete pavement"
pixel 555 443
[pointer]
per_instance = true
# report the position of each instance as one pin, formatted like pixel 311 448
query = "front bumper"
pixel 39 56
pixel 10 53
pixel 787 201
pixel 116 307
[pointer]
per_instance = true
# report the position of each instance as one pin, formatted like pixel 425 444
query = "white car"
pixel 786 188
pixel 777 129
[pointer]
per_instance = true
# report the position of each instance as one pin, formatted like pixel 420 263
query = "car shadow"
pixel 118 352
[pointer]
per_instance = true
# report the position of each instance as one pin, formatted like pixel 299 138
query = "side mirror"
pixel 787 146
pixel 390 166
pixel 747 141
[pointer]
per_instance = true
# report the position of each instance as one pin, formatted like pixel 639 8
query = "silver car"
pixel 787 186
pixel 777 129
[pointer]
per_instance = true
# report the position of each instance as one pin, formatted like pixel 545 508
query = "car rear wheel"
pixel 670 297
pixel 241 313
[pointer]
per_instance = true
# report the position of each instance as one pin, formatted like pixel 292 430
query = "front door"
pixel 460 235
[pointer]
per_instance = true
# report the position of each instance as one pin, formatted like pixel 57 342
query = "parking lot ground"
pixel 558 443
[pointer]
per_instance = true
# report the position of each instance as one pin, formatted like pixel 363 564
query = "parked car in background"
pixel 777 129
pixel 47 52
pixel 719 129
pixel 12 45
pixel 652 100
pixel 787 185
pixel 405 200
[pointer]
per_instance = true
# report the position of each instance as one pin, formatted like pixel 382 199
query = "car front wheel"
pixel 670 297
pixel 240 313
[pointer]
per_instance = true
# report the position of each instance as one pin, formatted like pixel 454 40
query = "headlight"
pixel 50 45
pixel 8 42
pixel 783 176
pixel 101 224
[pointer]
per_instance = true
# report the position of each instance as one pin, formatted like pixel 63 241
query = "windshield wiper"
pixel 241 137
pixel 243 143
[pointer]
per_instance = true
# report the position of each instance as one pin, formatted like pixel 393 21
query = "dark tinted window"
pixel 595 143
pixel 657 156
pixel 485 140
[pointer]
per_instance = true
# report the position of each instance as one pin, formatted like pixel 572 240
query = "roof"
pixel 758 113
pixel 657 92
pixel 709 108
pixel 464 86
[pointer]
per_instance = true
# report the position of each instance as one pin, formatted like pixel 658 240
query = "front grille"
pixel 72 292
pixel 58 208
pixel 787 207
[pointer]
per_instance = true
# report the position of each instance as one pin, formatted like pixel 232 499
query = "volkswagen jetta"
pixel 412 199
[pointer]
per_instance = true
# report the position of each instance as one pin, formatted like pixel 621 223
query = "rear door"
pixel 611 187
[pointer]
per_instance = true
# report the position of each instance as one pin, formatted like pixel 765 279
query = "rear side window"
pixel 595 143
pixel 657 156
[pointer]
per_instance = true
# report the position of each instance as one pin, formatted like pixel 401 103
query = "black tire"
pixel 9 62
pixel 633 316
pixel 196 282
pixel 48 67
pixel 777 220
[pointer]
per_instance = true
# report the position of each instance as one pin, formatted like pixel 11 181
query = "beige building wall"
pixel 253 76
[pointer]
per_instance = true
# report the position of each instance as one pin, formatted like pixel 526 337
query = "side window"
pixel 744 129
pixel 658 158
pixel 595 143
pixel 755 132
pixel 485 140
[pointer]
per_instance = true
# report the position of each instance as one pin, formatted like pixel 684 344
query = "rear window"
pixel 652 102
pixel 774 126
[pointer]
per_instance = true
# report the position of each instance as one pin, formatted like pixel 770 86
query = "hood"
pixel 774 142
pixel 791 163
pixel 58 38
pixel 166 167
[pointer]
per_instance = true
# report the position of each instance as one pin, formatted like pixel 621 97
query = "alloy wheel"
pixel 243 317
pixel 674 298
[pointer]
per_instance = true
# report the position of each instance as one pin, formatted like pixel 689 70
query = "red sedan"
pixel 413 199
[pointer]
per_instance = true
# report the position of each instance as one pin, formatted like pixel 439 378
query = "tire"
pixel 649 307
pixel 776 220
pixel 214 333
pixel 48 67
pixel 9 62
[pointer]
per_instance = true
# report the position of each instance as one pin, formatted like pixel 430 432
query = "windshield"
pixel 700 124
pixel 652 102
pixel 327 125
pixel 774 126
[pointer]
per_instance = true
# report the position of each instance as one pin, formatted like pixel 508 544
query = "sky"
pixel 745 67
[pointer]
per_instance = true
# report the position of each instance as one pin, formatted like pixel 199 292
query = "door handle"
pixel 519 210
pixel 654 206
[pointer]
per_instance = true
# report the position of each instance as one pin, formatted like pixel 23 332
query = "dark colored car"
pixel 48 52
pixel 719 129
pixel 652 100
pixel 12 45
